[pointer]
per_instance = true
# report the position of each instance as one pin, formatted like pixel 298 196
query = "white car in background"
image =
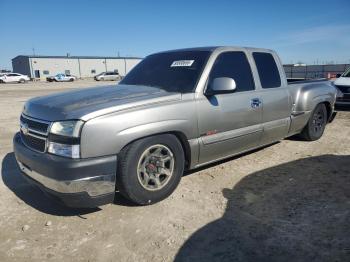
pixel 61 78
pixel 13 78
pixel 111 76
pixel 344 79
pixel 342 83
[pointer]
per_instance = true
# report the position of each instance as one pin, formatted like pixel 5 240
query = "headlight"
pixel 64 138
pixel 72 151
pixel 67 128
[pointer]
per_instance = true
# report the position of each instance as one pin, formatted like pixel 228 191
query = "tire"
pixel 102 79
pixel 316 124
pixel 21 81
pixel 131 182
pixel 71 80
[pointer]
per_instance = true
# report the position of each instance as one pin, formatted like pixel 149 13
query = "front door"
pixel 230 123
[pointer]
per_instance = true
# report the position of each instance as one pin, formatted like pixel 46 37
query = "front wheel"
pixel 150 169
pixel 316 124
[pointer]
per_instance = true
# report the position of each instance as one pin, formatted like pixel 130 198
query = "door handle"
pixel 255 102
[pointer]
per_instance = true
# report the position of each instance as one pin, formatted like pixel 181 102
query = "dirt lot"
pixel 286 202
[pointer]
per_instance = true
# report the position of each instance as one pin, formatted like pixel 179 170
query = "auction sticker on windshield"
pixel 182 63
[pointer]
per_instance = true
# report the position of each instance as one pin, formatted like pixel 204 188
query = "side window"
pixel 234 65
pixel 267 69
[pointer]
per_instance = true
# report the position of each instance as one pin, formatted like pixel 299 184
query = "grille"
pixel 344 89
pixel 34 133
pixel 35 143
pixel 345 98
pixel 35 125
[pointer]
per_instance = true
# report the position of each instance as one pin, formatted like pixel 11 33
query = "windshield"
pixel 347 73
pixel 176 71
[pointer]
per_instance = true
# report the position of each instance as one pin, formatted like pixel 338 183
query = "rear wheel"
pixel 150 169
pixel 316 125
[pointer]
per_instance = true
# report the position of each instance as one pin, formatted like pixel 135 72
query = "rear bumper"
pixel 75 182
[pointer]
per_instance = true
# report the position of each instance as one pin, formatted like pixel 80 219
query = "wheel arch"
pixel 179 135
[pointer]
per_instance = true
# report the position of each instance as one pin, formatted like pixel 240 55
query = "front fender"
pixel 108 135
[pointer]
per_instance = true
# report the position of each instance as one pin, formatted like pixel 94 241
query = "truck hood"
pixel 93 102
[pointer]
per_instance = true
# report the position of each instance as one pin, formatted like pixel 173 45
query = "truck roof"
pixel 214 48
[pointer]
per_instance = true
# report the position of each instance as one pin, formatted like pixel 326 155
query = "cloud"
pixel 322 33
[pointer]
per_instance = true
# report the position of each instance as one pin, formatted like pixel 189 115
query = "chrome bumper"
pixel 93 186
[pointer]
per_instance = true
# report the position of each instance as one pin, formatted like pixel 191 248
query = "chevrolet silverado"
pixel 175 111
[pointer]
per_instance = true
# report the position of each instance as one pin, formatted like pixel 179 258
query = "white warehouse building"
pixel 40 67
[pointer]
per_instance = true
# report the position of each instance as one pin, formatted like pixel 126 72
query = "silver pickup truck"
pixel 175 111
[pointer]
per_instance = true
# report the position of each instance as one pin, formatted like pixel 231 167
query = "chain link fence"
pixel 314 71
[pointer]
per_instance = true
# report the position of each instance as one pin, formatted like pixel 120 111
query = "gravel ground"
pixel 286 202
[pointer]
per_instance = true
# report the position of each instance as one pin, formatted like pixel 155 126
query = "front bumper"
pixel 75 182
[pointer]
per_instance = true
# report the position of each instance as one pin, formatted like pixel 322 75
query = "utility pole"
pixel 33 49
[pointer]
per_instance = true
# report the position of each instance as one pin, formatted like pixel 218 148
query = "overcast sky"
pixel 300 31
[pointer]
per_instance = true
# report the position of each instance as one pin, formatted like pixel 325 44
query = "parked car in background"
pixel 13 78
pixel 61 78
pixel 174 111
pixel 111 76
pixel 343 85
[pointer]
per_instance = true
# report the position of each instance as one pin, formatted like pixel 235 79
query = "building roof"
pixel 77 57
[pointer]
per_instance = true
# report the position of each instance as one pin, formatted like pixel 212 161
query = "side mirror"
pixel 221 85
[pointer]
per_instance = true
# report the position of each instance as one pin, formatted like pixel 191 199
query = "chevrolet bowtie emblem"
pixel 24 129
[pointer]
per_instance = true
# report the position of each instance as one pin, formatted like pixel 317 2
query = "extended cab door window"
pixel 275 99
pixel 267 69
pixel 236 66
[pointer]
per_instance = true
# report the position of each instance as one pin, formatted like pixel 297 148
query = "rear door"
pixel 13 77
pixel 229 123
pixel 108 76
pixel 275 97
pixel 114 76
